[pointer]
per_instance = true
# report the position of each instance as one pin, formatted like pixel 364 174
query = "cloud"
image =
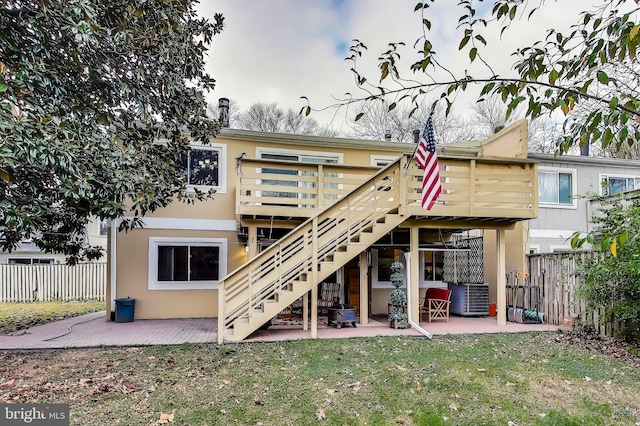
pixel 278 51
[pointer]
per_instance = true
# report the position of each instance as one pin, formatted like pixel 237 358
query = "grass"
pixel 528 379
pixel 17 316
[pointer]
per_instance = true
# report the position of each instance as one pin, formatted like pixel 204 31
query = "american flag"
pixel 428 160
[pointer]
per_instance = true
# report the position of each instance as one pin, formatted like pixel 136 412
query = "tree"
pixel 264 117
pixel 556 74
pixel 613 282
pixel 400 124
pixel 88 88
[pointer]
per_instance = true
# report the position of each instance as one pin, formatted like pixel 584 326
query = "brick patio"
pixel 93 330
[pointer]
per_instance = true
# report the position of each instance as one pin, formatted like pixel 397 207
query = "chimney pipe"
pixel 223 107
pixel 416 136
pixel 584 149
pixel 387 135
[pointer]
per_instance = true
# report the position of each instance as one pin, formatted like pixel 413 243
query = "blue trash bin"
pixel 125 308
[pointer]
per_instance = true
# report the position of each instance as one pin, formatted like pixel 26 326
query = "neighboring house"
pixel 565 185
pixel 28 254
pixel 293 211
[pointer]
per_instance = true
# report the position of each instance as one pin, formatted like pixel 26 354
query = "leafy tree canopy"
pixel 584 70
pixel 611 278
pixel 86 87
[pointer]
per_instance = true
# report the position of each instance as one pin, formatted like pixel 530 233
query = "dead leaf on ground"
pixel 320 415
pixel 9 383
pixel 165 418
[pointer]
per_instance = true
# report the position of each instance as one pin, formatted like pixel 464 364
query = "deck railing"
pixel 472 187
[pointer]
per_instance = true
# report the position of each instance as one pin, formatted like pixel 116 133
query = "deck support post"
pixel 364 289
pixel 501 284
pixel 414 241
pixel 314 278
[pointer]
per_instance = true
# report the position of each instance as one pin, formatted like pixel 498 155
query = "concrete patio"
pixel 93 330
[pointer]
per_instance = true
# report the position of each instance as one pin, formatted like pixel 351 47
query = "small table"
pixel 339 316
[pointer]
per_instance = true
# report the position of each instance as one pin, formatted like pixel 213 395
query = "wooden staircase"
pixel 257 291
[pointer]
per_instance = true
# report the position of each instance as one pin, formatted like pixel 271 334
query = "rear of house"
pixel 291 212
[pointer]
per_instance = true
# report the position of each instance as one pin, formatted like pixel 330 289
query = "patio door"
pixel 352 284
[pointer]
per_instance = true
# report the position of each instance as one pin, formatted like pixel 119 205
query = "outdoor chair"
pixel 436 304
pixel 329 295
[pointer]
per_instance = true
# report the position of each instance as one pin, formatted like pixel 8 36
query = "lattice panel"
pixel 465 266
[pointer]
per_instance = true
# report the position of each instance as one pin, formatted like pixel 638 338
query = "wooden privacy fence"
pixel 554 275
pixel 44 283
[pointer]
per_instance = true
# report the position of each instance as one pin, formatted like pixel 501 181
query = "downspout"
pixel 112 267
pixel 407 256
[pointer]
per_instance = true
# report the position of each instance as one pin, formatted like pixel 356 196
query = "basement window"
pixel 186 263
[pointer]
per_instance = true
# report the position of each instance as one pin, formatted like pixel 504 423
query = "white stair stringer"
pixel 261 288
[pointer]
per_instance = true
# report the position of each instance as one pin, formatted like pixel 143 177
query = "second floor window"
pixel 556 187
pixel 202 167
pixel 618 184
pixel 205 167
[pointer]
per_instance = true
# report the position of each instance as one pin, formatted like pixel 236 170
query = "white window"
pixel 557 187
pixel 381 260
pixel 205 168
pixel 104 228
pixel 186 263
pixel 432 265
pixel 381 160
pixel 30 261
pixel 281 179
pixel 612 184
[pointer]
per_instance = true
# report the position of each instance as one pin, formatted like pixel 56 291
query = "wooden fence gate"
pixel 554 275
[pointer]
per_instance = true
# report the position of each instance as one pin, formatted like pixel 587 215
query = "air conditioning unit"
pixel 469 299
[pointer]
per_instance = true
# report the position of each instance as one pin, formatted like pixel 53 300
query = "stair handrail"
pixel 224 318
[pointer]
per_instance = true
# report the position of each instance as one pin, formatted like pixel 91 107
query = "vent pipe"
pixel 223 107
pixel 584 149
pixel 416 136
pixel 387 135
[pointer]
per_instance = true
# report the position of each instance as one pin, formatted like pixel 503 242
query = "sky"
pixel 281 50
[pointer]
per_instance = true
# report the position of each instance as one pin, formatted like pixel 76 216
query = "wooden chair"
pixel 329 294
pixel 436 304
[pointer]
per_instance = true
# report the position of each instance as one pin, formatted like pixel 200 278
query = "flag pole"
pixel 406 166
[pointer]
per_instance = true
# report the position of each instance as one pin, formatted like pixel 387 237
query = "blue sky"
pixel 280 50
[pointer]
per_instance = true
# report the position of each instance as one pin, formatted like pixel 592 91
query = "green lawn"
pixel 528 379
pixel 18 316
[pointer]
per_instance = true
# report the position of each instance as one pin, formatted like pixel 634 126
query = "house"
pixel 565 187
pixel 291 212
pixel 28 254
